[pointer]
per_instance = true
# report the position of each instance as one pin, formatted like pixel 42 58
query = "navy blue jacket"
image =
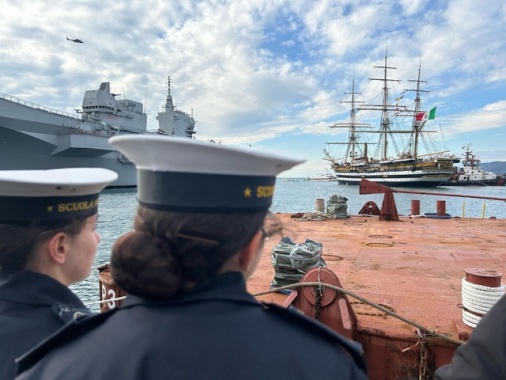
pixel 32 306
pixel 218 331
pixel 484 355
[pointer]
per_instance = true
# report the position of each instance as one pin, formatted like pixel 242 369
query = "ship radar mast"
pixel 169 104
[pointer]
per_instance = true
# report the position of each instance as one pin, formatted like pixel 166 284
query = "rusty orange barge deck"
pixel 414 267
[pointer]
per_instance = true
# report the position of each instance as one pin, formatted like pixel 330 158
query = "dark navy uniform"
pixel 217 331
pixel 32 306
pixel 484 355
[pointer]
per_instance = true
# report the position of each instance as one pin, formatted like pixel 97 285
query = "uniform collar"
pixel 230 286
pixel 35 289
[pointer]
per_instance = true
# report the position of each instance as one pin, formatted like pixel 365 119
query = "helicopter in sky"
pixel 77 40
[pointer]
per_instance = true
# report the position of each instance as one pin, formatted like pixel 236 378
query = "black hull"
pixel 417 178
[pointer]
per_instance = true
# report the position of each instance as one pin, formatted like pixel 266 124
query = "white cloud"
pixel 490 116
pixel 256 70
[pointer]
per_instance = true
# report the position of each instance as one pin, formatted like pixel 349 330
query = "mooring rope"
pixel 427 330
pixel 385 310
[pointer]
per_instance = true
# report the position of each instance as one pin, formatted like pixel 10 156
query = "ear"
pixel 58 246
pixel 250 254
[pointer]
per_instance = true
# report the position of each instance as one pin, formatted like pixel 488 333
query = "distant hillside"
pixel 498 167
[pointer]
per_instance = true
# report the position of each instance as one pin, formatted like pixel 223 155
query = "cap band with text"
pixel 26 209
pixel 204 193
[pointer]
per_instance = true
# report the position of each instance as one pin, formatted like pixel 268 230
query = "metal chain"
pixel 318 301
pixel 319 293
pixel 424 371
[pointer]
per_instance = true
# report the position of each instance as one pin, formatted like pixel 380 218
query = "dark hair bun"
pixel 143 265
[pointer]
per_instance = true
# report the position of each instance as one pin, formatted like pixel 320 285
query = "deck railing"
pixel 36 106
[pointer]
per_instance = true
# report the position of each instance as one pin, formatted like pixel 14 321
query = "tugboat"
pixel 471 173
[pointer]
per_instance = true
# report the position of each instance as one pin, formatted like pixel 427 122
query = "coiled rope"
pixel 478 299
pixel 366 301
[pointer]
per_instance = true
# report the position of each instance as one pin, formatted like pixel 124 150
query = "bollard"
pixel 415 207
pixel 320 205
pixel 481 289
pixel 484 277
pixel 441 208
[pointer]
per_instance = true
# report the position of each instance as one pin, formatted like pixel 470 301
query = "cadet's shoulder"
pixel 67 333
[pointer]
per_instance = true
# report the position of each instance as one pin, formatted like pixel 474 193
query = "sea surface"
pixel 117 208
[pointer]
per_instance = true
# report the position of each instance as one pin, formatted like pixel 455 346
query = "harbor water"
pixel 117 208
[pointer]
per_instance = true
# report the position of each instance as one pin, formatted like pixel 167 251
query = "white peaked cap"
pixel 55 182
pixel 55 194
pixel 182 174
pixel 180 154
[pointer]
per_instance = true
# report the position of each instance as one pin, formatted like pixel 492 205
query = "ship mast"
pixel 417 125
pixel 385 108
pixel 353 137
pixel 352 143
pixel 169 104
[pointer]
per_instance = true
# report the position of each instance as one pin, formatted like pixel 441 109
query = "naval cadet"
pixel 482 356
pixel 47 242
pixel 198 235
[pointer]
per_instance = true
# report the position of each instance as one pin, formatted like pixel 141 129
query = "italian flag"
pixel 432 113
pixel 422 115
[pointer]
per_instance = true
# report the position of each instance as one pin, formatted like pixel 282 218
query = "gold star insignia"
pixel 49 208
pixel 247 192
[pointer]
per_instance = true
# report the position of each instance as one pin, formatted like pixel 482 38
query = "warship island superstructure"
pixel 34 137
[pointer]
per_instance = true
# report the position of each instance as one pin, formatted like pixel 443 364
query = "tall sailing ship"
pixel 36 137
pixel 397 159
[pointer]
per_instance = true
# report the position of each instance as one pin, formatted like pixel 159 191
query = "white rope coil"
pixel 478 299
pixel 470 319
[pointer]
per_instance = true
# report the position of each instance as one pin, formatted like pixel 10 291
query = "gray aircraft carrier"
pixel 36 137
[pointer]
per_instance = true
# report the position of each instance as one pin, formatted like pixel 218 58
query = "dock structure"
pixel 413 267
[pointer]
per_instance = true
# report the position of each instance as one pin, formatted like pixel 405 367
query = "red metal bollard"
pixel 441 208
pixel 415 207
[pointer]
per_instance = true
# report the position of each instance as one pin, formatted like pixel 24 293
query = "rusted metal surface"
pixel 388 207
pixel 440 208
pixel 413 266
pixel 415 207
pixel 370 208
pixel 328 306
pixel 485 277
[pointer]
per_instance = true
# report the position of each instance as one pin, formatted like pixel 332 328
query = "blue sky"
pixel 265 73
